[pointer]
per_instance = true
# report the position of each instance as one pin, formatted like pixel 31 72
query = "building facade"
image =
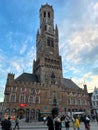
pixel 45 89
pixel 94 101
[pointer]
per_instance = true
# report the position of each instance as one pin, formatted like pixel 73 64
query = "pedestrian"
pixel 8 124
pixel 50 123
pixel 16 123
pixel 73 122
pixel 97 118
pixel 63 120
pixel 87 123
pixel 3 123
pixel 44 119
pixel 67 122
pixel 77 123
pixel 58 123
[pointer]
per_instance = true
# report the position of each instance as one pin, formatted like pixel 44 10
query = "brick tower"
pixel 48 64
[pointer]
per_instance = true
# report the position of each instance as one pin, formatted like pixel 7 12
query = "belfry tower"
pixel 48 64
pixel 29 95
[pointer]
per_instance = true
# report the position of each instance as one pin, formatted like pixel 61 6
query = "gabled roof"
pixel 27 77
pixel 68 83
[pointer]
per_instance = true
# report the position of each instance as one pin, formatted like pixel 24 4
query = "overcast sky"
pixel 77 22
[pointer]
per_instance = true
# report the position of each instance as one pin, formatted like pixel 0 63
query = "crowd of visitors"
pixel 6 124
pixel 59 122
pixel 56 122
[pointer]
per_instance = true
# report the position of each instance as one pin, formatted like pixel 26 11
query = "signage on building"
pixel 22 105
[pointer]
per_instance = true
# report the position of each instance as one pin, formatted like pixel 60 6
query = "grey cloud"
pixel 90 57
pixel 95 71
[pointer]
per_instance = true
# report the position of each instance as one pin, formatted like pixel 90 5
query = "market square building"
pixel 45 88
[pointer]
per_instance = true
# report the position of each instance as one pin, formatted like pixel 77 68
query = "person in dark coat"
pixel 87 122
pixel 58 123
pixel 67 122
pixel 8 124
pixel 50 123
pixel 16 123
pixel 3 124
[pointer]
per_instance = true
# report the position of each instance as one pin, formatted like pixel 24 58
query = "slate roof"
pixel 68 83
pixel 27 77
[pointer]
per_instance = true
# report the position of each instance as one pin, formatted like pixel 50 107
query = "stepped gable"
pixel 68 83
pixel 27 77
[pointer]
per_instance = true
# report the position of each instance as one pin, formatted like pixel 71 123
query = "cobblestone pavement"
pixel 41 126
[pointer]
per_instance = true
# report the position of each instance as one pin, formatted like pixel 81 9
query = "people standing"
pixel 44 119
pixel 77 123
pixel 67 122
pixel 58 123
pixel 97 118
pixel 87 123
pixel 8 124
pixel 50 123
pixel 3 121
pixel 73 121
pixel 16 123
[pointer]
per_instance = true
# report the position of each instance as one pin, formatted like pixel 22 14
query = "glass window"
pixel 13 89
pixel 37 99
pixel 69 102
pixel 23 90
pixel 32 91
pixel 79 102
pixel 31 99
pixel 52 43
pixel 12 98
pixel 48 42
pixel 94 103
pixel 22 98
pixel 45 27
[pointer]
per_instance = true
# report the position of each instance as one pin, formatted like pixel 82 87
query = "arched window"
pixel 52 78
pixel 48 14
pixel 45 27
pixel 69 101
pixel 32 91
pixel 12 98
pixel 37 99
pixel 50 42
pixel 22 98
pixel 7 110
pixel 31 99
pixel 44 14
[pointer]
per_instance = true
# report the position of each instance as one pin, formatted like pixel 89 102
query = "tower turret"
pixel 85 87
